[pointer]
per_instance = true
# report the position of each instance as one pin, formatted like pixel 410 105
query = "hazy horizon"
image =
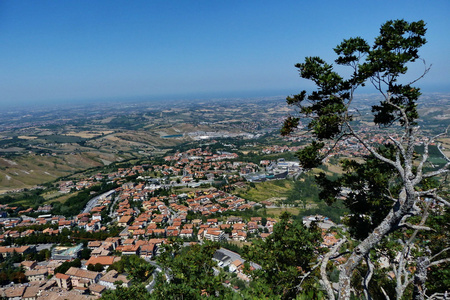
pixel 57 52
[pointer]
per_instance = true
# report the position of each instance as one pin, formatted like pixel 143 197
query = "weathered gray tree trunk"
pixel 403 207
pixel 420 277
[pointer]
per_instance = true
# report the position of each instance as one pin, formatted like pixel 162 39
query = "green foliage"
pixel 304 189
pixel 67 265
pixel 314 292
pixel 136 267
pixel 232 247
pixel 42 255
pixel 310 156
pixel 438 275
pixel 327 108
pixel 135 292
pixel 284 256
pixel 29 197
pixel 190 272
pixel 368 185
pixel 98 267
pixel 10 273
pixel 85 253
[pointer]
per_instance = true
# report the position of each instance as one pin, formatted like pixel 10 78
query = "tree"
pixel 189 273
pixel 285 256
pixel 139 269
pixel 67 265
pixel 389 187
pixel 98 267
pixel 85 253
pixel 136 291
pixel 136 267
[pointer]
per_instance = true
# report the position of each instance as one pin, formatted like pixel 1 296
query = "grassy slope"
pixel 30 170
pixel 267 190
pixel 276 212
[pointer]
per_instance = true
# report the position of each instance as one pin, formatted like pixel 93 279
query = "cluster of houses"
pixel 12 227
pixel 194 164
pixel 200 164
pixel 199 154
pixel 75 283
pixel 167 216
pixel 280 149
pixel 4 208
pixel 183 167
pixel 346 147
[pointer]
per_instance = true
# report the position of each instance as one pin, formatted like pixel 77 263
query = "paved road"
pixel 94 201
pixel 158 269
pixel 234 256
pixel 40 247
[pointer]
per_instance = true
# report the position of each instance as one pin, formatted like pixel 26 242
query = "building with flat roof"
pixel 65 253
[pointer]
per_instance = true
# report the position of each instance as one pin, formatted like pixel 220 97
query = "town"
pixel 78 246
pixel 174 200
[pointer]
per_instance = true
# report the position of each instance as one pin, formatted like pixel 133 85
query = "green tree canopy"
pixel 190 272
pixel 285 256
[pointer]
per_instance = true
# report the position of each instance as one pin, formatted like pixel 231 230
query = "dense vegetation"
pixel 136 268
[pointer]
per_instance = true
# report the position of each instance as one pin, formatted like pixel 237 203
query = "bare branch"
pixel 440 296
pixel 442 153
pixel 437 262
pixel 384 293
pixel 439 253
pixel 298 287
pixel 399 146
pixel 429 193
pixel 401 272
pixel 390 198
pixel 443 170
pixel 425 72
pixel 340 254
pixel 402 111
pixel 440 199
pixel 441 134
pixel 416 227
pixel 375 153
pixel 342 136
pixel 433 194
pixel 323 269
pixel 368 277
pixel 420 276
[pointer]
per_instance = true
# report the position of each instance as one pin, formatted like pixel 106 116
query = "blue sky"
pixel 68 50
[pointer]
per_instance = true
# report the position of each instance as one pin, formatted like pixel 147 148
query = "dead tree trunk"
pixel 420 277
pixel 404 207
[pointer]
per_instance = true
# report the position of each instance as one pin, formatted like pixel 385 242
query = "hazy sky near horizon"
pixel 84 49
